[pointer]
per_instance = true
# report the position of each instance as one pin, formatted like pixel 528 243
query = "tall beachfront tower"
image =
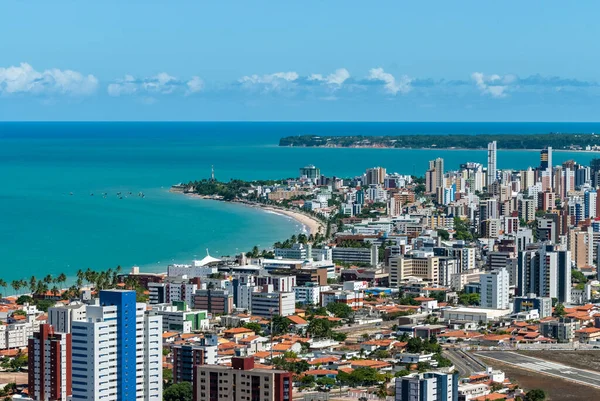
pixel 491 163
pixel 117 351
pixel 49 356
pixel 546 161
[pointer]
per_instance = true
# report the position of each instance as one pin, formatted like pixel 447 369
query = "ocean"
pixel 46 230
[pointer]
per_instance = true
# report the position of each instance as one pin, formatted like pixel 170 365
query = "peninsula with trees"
pixel 565 141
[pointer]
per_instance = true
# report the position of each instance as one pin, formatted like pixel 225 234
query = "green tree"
pixel 319 328
pixel 337 336
pixel 443 234
pixel 559 310
pixel 469 299
pixel 326 381
pixel 380 354
pixel 255 327
pixel 578 277
pixel 168 375
pixel 179 392
pixel 339 309
pixel 401 373
pixel 24 299
pixel 280 324
pixel 535 395
pixel 308 380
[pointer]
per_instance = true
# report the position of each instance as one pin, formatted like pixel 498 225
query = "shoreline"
pixel 312 224
pixel 444 149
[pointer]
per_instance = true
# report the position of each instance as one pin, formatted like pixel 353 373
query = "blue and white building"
pixel 430 386
pixel 117 351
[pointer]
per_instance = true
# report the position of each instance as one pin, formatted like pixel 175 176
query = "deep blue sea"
pixel 44 229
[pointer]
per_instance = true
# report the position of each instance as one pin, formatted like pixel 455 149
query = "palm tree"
pixel 55 290
pixel 62 278
pixel 42 288
pixel 88 275
pixel 48 279
pixel 16 285
pixel 32 283
pixel 2 284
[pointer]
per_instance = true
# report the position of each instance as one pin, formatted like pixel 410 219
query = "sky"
pixel 299 60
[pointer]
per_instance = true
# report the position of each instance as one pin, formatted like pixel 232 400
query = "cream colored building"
pixel 419 264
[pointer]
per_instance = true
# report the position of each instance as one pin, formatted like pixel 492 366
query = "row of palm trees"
pixel 36 286
pixel 99 280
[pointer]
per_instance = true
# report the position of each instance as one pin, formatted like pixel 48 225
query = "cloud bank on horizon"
pixel 24 80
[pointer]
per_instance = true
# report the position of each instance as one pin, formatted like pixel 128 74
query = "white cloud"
pixel 195 85
pixel 337 78
pixel 272 79
pixel 160 84
pixel 391 84
pixel 270 82
pixel 493 85
pixel 126 86
pixel 275 81
pixel 25 79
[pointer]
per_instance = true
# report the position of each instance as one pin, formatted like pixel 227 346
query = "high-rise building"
pixel 416 264
pixel 545 271
pixel 594 170
pixel 241 382
pixel 580 242
pixel 527 178
pixel 214 301
pixel 49 354
pixel 494 289
pixel 527 209
pixel 117 351
pixel 269 302
pixel 437 165
pixel 589 204
pixel 430 386
pixel 375 176
pixel 491 167
pixel 62 317
pixel 187 356
pixel 311 172
pixel 546 160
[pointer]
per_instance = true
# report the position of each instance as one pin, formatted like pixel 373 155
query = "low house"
pixel 587 334
pixel 368 363
pixel 297 323
pixel 375 345
pixel 321 373
pixel 410 358
pixel 288 346
pixel 427 303
pixel 238 333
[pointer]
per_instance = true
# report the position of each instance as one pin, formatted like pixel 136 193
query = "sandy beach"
pixel 312 224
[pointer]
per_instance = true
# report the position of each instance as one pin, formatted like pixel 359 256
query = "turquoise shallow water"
pixel 44 229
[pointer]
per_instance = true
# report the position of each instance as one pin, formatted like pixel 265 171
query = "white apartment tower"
pixel 494 289
pixel 117 351
pixel 491 163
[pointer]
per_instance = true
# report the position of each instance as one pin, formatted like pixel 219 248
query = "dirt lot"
pixel 556 389
pixel 587 359
pixel 9 377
